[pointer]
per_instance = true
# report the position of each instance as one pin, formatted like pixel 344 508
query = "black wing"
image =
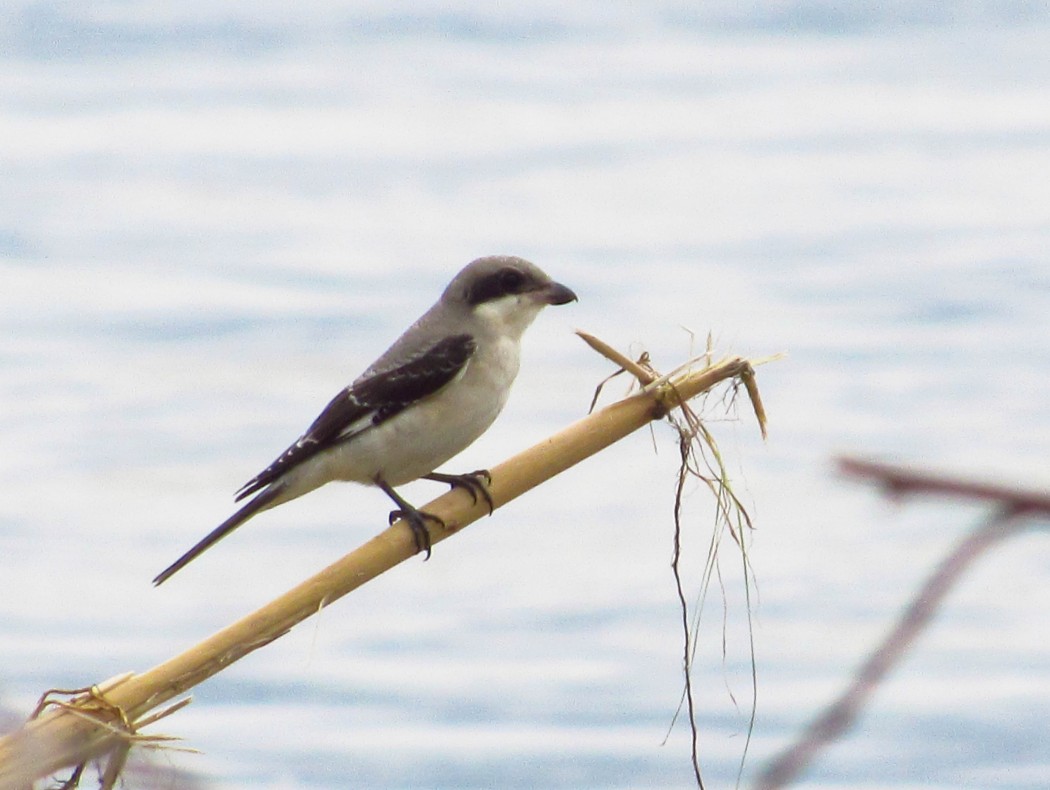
pixel 370 401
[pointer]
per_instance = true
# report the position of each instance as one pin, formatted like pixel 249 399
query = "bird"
pixel 430 395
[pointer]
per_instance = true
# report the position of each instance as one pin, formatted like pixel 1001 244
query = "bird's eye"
pixel 511 280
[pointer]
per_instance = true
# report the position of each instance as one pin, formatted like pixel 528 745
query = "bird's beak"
pixel 556 293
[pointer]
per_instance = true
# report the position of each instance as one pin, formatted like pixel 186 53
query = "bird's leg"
pixel 476 484
pixel 416 518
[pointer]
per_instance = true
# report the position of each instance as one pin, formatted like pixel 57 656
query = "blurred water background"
pixel 213 215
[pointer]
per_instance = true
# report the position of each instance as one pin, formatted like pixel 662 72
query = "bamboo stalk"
pixel 57 738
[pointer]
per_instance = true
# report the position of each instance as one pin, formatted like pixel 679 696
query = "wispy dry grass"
pixel 702 460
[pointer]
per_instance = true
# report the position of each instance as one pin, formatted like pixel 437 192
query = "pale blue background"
pixel 213 215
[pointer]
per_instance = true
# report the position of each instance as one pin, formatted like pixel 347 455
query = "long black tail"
pixel 258 503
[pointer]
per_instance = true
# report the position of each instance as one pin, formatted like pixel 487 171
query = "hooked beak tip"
pixel 560 294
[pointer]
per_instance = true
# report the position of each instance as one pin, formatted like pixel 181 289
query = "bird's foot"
pixel 476 484
pixel 417 521
pixel 415 517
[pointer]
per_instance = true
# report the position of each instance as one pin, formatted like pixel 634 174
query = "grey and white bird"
pixel 430 395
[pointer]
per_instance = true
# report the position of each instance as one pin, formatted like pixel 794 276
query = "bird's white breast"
pixel 425 435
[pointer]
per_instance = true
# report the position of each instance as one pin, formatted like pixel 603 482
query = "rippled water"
pixel 216 214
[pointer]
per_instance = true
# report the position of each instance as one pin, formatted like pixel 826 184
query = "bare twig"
pixel 899 480
pixel 1004 522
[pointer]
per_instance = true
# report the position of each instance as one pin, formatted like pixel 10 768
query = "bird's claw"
pixel 476 484
pixel 417 522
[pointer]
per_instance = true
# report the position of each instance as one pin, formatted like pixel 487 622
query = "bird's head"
pixel 506 291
